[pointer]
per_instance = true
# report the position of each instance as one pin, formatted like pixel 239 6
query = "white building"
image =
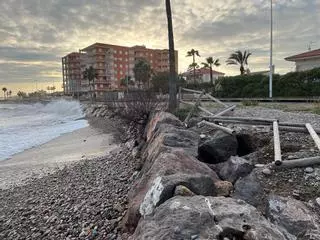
pixel 202 75
pixel 306 61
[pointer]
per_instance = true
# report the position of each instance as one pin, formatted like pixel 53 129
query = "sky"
pixel 36 34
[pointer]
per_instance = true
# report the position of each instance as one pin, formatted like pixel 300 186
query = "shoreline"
pixel 83 144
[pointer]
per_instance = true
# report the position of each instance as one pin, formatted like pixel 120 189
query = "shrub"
pixel 250 103
pixel 182 113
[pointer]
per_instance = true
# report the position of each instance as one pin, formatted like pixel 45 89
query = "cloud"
pixel 35 34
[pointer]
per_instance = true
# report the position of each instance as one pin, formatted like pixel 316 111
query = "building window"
pixel 101 85
pixel 126 52
pixel 115 65
pixel 121 72
pixel 120 52
pixel 121 65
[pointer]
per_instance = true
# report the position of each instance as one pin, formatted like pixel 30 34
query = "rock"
pixel 309 170
pixel 160 176
pixel 249 189
pixel 233 169
pixel 202 217
pixel 203 136
pixel 267 171
pixel 292 215
pixel 183 191
pixel 219 148
pixel 160 118
pixel 318 201
pixel 223 188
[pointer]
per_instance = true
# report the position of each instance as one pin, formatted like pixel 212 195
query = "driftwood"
pixel 302 162
pixel 201 108
pixel 216 100
pixel 245 119
pixel 216 126
pixel 192 91
pixel 296 129
pixel 277 148
pixel 228 109
pixel 194 107
pixel 314 135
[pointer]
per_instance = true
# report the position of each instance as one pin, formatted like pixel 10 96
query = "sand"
pixel 85 143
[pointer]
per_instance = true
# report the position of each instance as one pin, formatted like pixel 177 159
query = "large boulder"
pixel 159 118
pixel 249 189
pixel 294 216
pixel 202 217
pixel 233 169
pixel 158 182
pixel 219 148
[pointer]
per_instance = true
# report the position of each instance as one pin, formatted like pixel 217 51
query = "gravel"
pixel 83 201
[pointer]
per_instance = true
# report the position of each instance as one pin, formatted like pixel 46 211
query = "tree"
pixel 193 53
pixel 239 58
pixel 211 62
pixel 172 61
pixel 90 74
pixel 142 72
pixel 21 94
pixel 4 89
pixel 160 82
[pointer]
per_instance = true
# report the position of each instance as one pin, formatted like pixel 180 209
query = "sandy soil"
pixel 82 144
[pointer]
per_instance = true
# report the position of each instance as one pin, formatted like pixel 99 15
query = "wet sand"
pixel 85 143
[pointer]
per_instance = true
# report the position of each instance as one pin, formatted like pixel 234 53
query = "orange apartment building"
pixel 112 63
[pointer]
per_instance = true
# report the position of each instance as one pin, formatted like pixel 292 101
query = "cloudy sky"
pixel 35 34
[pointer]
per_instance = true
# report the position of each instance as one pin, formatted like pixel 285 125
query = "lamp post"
pixel 271 49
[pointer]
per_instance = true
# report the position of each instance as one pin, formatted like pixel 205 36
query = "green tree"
pixel 142 72
pixel 193 53
pixel 160 82
pixel 172 62
pixel 90 74
pixel 4 89
pixel 239 58
pixel 209 64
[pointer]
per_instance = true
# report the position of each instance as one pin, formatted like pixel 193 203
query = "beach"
pixel 85 143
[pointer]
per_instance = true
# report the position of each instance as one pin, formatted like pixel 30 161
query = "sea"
pixel 24 126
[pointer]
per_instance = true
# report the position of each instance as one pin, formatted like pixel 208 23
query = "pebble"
pixel 309 170
pixel 318 201
pixel 267 171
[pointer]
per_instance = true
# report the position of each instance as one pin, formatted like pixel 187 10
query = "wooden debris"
pixel 216 126
pixel 314 135
pixel 277 148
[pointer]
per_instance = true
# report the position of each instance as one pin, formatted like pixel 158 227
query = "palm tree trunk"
pixel 194 69
pixel 211 77
pixel 242 70
pixel 172 76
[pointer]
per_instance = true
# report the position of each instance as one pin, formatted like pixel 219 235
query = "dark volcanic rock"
pixel 202 217
pixel 233 169
pixel 294 216
pixel 249 189
pixel 219 148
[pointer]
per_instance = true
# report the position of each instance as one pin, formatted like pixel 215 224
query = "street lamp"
pixel 271 49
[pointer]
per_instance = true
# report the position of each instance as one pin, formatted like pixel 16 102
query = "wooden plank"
pixel 290 124
pixel 216 100
pixel 194 107
pixel 225 111
pixel 296 129
pixel 277 148
pixel 313 134
pixel 216 126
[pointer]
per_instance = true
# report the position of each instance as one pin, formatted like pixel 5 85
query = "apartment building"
pixel 71 73
pixel 112 63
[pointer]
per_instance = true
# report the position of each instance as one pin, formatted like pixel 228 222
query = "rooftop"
pixel 305 55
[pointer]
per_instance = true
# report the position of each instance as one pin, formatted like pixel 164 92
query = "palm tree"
pixel 90 74
pixel 211 62
pixel 4 89
pixel 142 72
pixel 239 58
pixel 172 60
pixel 193 53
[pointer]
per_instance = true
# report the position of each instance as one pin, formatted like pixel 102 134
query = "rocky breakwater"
pixel 178 196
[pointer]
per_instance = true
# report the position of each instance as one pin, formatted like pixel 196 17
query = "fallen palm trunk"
pixel 314 135
pixel 302 162
pixel 216 100
pixel 216 126
pixel 240 119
